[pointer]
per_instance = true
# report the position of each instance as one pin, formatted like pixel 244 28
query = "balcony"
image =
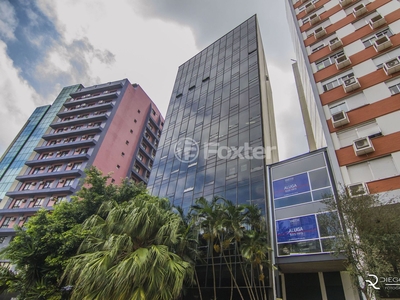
pixel 64 159
pixel 65 145
pixel 92 99
pixel 31 193
pixel 77 121
pixel 98 89
pixel 86 109
pixel 72 132
pixel 41 176
pixel 12 211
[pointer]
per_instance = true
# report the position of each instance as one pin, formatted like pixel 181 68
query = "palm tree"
pixel 131 253
pixel 207 218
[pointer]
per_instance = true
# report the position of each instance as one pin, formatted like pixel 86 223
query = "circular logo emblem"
pixel 186 150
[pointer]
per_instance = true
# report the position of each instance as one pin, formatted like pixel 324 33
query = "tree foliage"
pixel 236 234
pixel 368 236
pixel 41 249
pixel 131 254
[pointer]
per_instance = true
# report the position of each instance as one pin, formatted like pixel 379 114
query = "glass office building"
pixel 20 150
pixel 220 112
pixel 219 134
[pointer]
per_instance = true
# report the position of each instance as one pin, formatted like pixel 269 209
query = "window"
pixel 342 106
pixel 318 48
pixel 84 151
pixel 59 199
pixel 56 168
pixel 118 166
pixel 136 168
pixel 47 184
pixel 27 186
pixel 17 203
pixel 328 61
pixel 144 145
pixel 38 202
pixel 394 89
pixel 140 156
pixel 36 170
pixel 76 166
pixel 336 82
pixel 153 112
pixel 6 222
pixel 122 154
pixel 346 137
pixel 2 239
pixel 131 131
pixel 127 142
pixel 68 181
pixel 62 153
pixel 370 40
pixel 44 156
pixel 380 168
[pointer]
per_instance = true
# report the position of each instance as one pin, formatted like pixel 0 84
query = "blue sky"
pixel 46 45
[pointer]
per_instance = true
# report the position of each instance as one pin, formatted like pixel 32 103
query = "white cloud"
pixel 8 21
pixel 16 100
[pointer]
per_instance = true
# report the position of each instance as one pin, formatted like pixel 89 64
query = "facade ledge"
pixel 69 158
pixel 61 146
pixel 32 193
pixel 40 176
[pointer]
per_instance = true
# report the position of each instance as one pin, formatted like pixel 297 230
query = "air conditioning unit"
pixel 22 218
pixel 72 127
pixel 40 182
pixel 357 189
pixel 51 167
pixel 310 7
pixel 83 105
pixel 101 101
pixel 382 43
pixel 13 219
pixel 61 180
pixel 50 153
pixel 78 106
pixel 319 32
pixel 314 19
pixel 33 183
pixel 58 141
pixel 340 119
pixel 90 124
pixel 363 146
pixel 392 66
pixel 24 200
pixel 69 164
pixel 41 168
pixel 350 84
pixel 84 137
pixel 96 113
pixel 377 21
pixel 344 3
pixel 65 140
pixel 106 92
pixel 359 10
pixel 335 43
pixel 342 61
pixel 77 150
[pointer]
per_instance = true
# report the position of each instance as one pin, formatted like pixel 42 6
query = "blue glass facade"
pixel 22 147
pixel 214 124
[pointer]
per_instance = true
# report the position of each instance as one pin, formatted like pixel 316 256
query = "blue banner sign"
pixel 300 228
pixel 291 185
